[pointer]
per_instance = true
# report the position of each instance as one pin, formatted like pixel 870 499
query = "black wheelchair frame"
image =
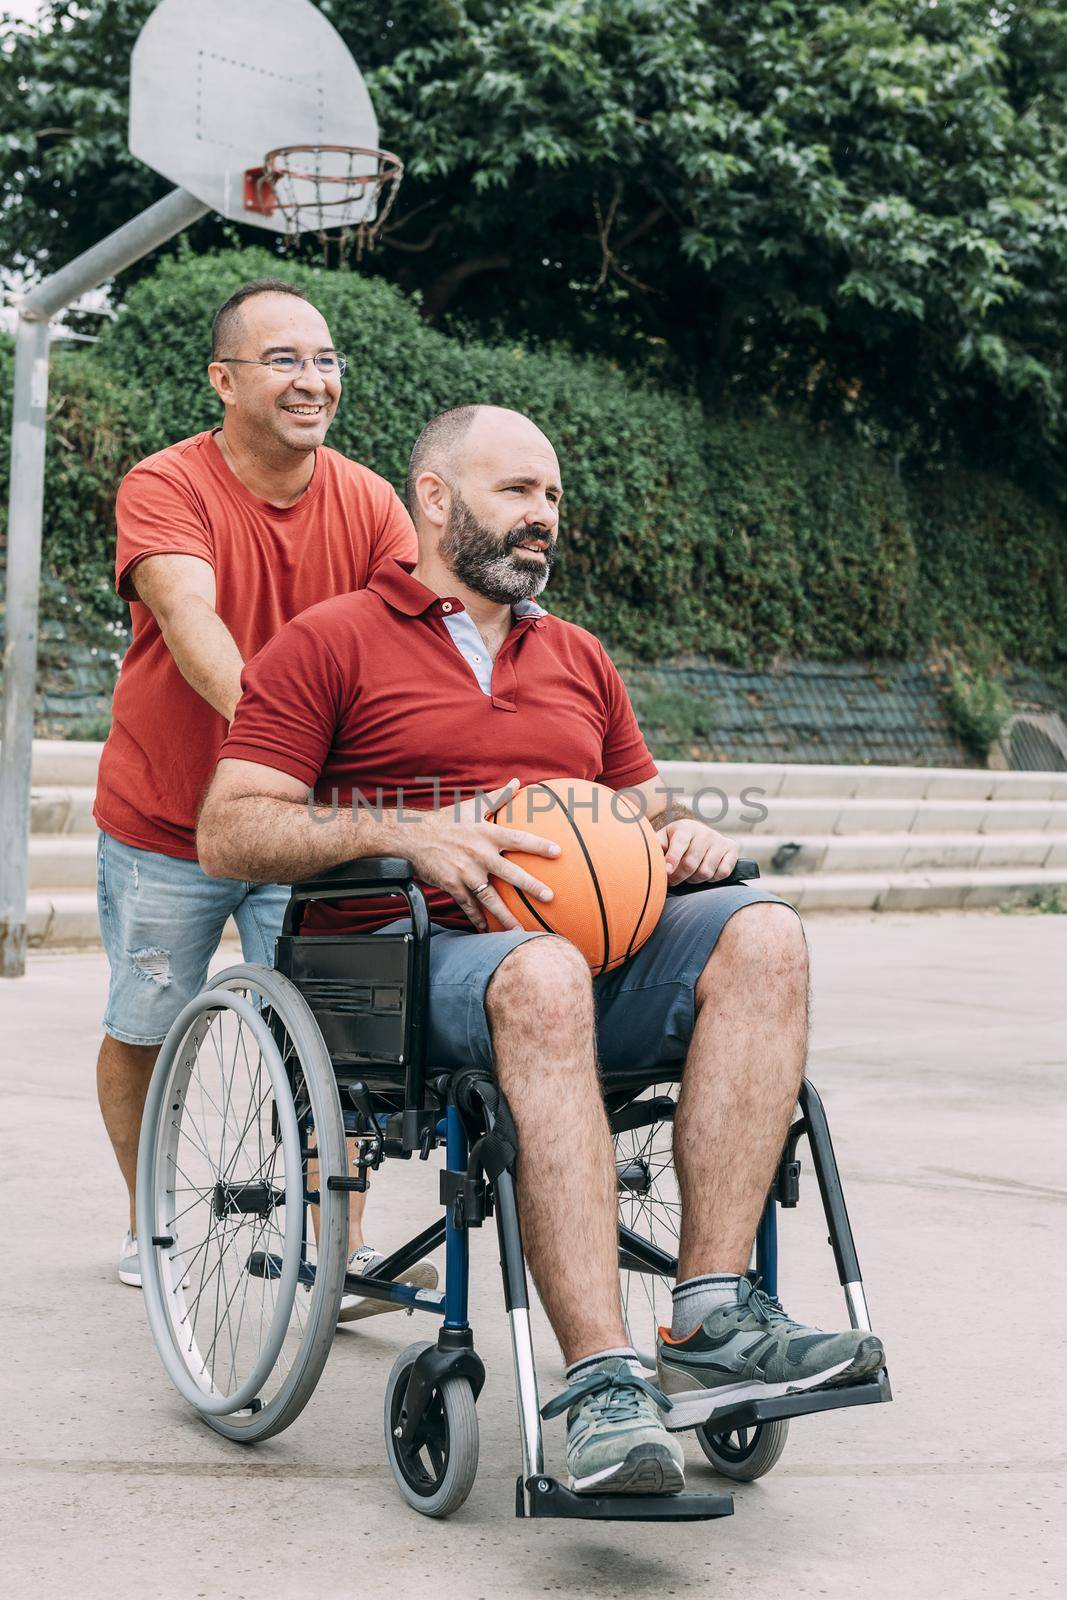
pixel 368 995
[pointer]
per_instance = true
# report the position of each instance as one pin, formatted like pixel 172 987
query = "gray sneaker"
pixel 616 1442
pixel 751 1350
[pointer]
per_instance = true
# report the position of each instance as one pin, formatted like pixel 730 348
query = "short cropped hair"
pixel 435 448
pixel 226 330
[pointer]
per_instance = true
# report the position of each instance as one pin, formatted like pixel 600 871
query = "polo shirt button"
pixel 446 605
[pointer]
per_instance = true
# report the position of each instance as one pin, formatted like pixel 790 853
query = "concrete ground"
pixel 939 1049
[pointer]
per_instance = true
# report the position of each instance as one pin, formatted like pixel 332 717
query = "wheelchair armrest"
pixel 743 872
pixel 381 870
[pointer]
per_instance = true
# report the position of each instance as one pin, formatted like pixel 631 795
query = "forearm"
pixel 672 811
pixel 205 653
pixel 268 840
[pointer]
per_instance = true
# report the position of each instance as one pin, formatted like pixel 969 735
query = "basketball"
pixel 609 880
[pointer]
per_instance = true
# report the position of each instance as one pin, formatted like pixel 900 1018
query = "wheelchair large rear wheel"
pixel 650 1207
pixel 241 1301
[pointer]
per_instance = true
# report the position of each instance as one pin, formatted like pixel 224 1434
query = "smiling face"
pixel 503 508
pixel 277 413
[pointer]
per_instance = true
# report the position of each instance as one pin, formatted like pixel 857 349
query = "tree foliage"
pixel 749 540
pixel 859 209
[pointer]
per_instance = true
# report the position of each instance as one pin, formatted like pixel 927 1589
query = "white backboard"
pixel 215 84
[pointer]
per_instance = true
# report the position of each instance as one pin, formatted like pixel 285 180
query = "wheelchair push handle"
pixel 367 872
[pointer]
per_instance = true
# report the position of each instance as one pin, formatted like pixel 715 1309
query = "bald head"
pixel 467 436
pixel 484 492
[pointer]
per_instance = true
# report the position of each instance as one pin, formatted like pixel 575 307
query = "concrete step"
pixel 63 861
pixel 884 852
pixel 65 809
pixel 68 861
pixel 62 809
pixel 798 781
pixel 67 762
pixel 74 762
pixel 798 798
pixel 938 889
pixel 785 816
pixel 69 917
pixel 62 916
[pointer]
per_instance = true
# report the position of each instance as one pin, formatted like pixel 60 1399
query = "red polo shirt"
pixel 270 562
pixel 369 693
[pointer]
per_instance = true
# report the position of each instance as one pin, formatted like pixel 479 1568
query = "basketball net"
pixel 343 194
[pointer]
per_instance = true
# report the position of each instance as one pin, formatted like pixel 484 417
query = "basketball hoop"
pixel 335 191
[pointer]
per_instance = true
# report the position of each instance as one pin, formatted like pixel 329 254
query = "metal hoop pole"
pixel 28 429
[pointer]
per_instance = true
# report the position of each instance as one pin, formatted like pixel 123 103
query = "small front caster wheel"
pixel 744 1454
pixel 435 1472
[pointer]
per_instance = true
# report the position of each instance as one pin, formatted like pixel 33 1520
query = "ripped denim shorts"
pixel 161 919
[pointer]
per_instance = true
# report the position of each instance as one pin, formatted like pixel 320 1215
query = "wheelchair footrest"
pixel 547 1498
pixel 752 1412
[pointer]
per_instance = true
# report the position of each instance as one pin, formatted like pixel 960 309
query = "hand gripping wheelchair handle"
pixel 743 872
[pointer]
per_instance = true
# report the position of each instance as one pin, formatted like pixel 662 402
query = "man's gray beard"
pixel 480 559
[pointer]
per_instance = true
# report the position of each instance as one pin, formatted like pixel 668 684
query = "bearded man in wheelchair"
pixel 448 678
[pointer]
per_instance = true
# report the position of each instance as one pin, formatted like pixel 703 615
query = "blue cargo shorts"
pixel 645 1008
pixel 161 919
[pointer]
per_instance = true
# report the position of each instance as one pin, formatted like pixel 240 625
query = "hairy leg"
pixel 122 1075
pixel 540 1009
pixel 742 1075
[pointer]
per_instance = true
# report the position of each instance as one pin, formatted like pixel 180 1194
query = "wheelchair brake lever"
pixel 371 1144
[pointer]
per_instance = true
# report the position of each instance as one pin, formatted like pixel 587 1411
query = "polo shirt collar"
pixel 394 582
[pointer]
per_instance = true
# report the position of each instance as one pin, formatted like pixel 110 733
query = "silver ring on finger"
pixel 480 889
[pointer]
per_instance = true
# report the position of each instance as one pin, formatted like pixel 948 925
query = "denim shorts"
pixel 645 1008
pixel 161 919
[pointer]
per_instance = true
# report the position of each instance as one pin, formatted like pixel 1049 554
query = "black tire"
pixel 745 1454
pixel 436 1476
pixel 249 1134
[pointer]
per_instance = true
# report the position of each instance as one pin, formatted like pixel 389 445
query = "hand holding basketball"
pixel 609 876
pixel 456 850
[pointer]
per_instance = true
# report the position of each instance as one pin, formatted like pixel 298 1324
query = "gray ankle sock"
pixel 697 1298
pixel 578 1369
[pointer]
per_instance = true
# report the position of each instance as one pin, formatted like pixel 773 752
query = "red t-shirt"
pixel 369 693
pixel 270 563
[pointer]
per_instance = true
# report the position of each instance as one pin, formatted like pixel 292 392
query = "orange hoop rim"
pixel 261 182
pixel 390 166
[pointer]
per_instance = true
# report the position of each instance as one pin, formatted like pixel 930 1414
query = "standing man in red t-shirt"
pixel 221 539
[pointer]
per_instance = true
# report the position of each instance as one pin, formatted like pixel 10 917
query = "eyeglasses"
pixel 329 364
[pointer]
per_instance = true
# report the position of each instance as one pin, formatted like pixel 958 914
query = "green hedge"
pixel 744 540
pixel 93 437
pixel 993 567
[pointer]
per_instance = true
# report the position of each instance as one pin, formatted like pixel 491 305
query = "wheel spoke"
pixel 235 1089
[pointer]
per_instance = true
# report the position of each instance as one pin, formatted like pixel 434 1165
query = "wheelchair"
pixel 278 1090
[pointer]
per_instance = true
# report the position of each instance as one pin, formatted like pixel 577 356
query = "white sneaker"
pixel 129 1262
pixel 354 1306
